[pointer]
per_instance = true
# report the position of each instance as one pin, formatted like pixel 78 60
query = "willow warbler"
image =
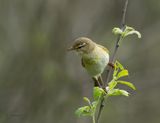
pixel 94 57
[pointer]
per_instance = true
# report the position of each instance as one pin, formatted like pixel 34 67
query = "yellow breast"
pixel 96 61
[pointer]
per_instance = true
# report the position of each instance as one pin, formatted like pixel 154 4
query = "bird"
pixel 94 58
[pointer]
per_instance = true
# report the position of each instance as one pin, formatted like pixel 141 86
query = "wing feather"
pixel 104 48
pixel 82 62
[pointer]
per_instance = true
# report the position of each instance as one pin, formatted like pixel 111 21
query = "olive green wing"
pixel 104 48
pixel 82 62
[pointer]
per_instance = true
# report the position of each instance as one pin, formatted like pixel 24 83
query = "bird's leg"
pixel 96 82
pixel 101 81
pixel 111 65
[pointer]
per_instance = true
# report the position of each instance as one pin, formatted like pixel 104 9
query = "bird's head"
pixel 82 45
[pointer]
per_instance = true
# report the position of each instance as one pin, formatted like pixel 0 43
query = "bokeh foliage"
pixel 40 82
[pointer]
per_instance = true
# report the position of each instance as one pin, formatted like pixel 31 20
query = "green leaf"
pixel 118 92
pixel 117 31
pixel 87 100
pixel 97 92
pixel 112 84
pixel 130 30
pixel 94 105
pixel 127 83
pixel 122 73
pixel 133 32
pixel 115 70
pixel 84 111
pixel 119 65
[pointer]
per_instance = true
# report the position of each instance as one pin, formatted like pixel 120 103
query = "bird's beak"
pixel 70 49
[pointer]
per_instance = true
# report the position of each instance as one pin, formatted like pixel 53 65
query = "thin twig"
pixel 118 39
pixel 109 71
pixel 100 109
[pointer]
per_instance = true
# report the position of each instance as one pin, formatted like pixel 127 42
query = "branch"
pixel 114 54
pixel 118 39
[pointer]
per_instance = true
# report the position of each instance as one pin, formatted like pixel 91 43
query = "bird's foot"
pixel 111 65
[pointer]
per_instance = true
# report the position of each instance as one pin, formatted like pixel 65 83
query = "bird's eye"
pixel 81 45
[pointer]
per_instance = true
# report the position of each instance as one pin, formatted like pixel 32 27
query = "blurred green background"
pixel 41 83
